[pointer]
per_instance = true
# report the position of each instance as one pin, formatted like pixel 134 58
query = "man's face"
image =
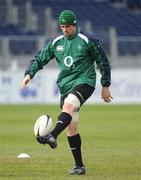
pixel 68 30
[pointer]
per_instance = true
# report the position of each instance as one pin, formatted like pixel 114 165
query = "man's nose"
pixel 65 29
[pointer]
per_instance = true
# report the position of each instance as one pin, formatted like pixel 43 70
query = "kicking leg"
pixel 71 103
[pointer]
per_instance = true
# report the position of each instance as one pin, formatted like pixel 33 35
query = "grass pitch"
pixel 111 144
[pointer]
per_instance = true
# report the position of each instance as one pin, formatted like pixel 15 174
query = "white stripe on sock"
pixel 60 122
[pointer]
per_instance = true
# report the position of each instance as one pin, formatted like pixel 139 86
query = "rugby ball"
pixel 43 125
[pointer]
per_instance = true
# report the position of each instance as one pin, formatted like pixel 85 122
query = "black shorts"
pixel 81 91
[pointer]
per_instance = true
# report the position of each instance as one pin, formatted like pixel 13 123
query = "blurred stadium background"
pixel 26 25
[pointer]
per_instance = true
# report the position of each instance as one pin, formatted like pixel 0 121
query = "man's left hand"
pixel 106 94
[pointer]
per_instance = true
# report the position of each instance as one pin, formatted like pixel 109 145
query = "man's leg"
pixel 64 120
pixel 82 92
pixel 71 103
pixel 74 141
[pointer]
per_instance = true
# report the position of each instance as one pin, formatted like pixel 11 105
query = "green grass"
pixel 111 145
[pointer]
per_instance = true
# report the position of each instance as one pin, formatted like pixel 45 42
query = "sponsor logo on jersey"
pixel 68 61
pixel 59 48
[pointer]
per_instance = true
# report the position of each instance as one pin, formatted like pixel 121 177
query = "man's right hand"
pixel 25 81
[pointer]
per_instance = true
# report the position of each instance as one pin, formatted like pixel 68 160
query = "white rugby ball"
pixel 43 125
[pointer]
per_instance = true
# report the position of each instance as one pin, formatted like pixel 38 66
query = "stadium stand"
pixel 134 4
pixel 101 14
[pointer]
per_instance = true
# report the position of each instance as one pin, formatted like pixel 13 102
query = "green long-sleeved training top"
pixel 76 59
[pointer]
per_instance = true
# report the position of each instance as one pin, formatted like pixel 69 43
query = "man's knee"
pixel 72 100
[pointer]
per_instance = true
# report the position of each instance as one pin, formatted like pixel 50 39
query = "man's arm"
pixel 103 64
pixel 41 59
